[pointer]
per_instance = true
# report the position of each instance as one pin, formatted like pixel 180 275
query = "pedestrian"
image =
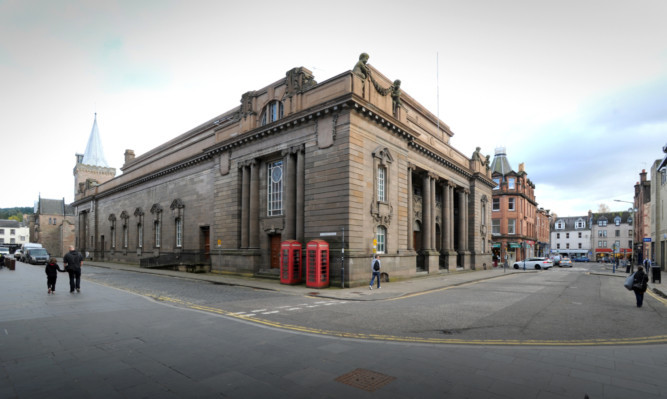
pixel 73 262
pixel 51 271
pixel 639 285
pixel 375 269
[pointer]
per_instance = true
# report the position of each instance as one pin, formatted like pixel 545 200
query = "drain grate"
pixel 365 379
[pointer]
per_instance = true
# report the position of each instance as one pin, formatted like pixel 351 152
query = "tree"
pixel 603 208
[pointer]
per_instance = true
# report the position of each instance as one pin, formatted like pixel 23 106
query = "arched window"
pixel 272 112
pixel 381 240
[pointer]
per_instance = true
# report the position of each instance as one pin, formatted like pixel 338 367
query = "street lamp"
pixel 632 210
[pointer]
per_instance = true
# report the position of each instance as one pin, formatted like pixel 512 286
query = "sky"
pixel 575 90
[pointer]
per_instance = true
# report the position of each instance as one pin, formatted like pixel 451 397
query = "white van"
pixel 26 247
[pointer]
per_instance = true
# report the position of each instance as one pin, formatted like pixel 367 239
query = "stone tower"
pixel 91 168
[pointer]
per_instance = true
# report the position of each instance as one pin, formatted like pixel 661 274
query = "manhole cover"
pixel 365 379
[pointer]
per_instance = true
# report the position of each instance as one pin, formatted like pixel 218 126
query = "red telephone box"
pixel 290 262
pixel 317 264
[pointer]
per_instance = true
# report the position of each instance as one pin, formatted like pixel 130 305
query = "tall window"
pixel 567 235
pixel 496 204
pixel 511 226
pixel 511 205
pixel 618 233
pixel 558 236
pixel 275 189
pixel 567 245
pixel 140 236
pixel 125 235
pixel 382 239
pixel 580 234
pixel 272 112
pixel 179 232
pixel 497 181
pixel 156 227
pixel 510 183
pixel 495 227
pixel 579 245
pixel 382 183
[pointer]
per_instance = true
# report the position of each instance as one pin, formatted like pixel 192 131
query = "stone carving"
pixel 382 213
pixel 298 80
pixel 177 204
pixel 138 212
pixel 246 104
pixel 364 72
pixel 360 69
pixel 156 208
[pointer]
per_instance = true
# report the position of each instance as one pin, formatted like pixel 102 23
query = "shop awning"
pixel 515 245
pixel 496 245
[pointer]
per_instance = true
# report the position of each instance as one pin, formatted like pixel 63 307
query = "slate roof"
pixel 500 163
pixel 54 207
pixel 9 223
pixel 94 154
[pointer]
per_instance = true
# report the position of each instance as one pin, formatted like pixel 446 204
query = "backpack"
pixel 376 265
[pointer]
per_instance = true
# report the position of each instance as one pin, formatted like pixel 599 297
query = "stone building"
pixel 642 202
pixel 658 243
pixel 514 211
pixel 52 225
pixel 300 160
pixel 611 235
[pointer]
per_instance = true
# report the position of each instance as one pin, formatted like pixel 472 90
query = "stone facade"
pixel 611 235
pixel 658 212
pixel 53 226
pixel 642 202
pixel 300 160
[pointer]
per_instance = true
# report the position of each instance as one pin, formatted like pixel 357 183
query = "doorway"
pixel 205 243
pixel 275 251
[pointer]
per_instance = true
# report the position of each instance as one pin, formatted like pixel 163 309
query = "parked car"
pixel 36 256
pixel 556 260
pixel 18 254
pixel 25 249
pixel 565 262
pixel 534 263
pixel 581 259
pixel 4 251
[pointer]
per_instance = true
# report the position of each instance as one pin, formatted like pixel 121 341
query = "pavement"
pixel 109 343
pixel 388 290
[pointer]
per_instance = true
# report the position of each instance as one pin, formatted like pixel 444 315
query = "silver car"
pixel 534 264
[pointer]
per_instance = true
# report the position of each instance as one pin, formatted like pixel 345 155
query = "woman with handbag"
pixel 639 285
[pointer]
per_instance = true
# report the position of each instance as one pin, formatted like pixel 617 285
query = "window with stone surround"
pixel 156 210
pixel 177 211
pixel 381 237
pixel 274 188
pixel 511 183
pixel 511 204
pixel 496 204
pixel 179 232
pixel 382 183
pixel 511 226
pixel 272 112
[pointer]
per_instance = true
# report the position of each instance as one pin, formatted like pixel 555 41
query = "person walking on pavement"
pixel 375 268
pixel 51 271
pixel 639 285
pixel 73 262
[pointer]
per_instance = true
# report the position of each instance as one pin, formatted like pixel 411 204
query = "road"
pixel 197 339
pixel 557 305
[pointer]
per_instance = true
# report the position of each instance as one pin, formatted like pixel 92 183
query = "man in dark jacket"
pixel 73 262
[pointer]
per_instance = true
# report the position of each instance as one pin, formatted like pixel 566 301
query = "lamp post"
pixel 633 211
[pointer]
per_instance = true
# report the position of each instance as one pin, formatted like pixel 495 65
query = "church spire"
pixel 94 154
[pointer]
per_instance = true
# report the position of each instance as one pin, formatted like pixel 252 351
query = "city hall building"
pixel 353 161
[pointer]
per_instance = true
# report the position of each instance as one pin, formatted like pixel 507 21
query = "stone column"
pixel 300 189
pixel 289 186
pixel 462 221
pixel 426 213
pixel 245 203
pixel 444 229
pixel 433 205
pixel 410 209
pixel 253 228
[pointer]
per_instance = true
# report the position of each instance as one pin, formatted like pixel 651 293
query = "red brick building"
pixel 514 212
